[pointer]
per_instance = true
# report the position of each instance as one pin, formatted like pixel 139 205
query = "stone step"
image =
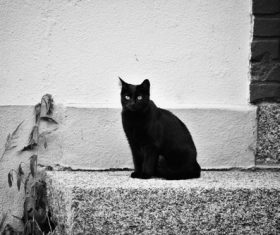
pixel 220 202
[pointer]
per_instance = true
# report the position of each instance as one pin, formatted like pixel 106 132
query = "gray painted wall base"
pixel 92 138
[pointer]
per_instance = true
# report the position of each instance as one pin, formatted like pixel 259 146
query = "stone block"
pixel 261 47
pixel 264 92
pixel 268 144
pixel 268 71
pixel 266 6
pixel 223 202
pixel 268 27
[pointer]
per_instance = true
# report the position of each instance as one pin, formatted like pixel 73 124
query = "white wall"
pixel 194 52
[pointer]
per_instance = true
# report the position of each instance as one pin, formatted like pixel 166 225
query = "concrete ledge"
pixel 224 202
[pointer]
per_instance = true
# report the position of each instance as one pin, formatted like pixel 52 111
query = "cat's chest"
pixel 137 128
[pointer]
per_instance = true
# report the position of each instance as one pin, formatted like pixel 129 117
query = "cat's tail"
pixel 188 171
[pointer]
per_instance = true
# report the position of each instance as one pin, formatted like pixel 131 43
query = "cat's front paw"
pixel 135 175
pixel 145 176
pixel 140 175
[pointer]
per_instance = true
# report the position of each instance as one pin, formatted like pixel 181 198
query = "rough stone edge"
pixel 207 191
pixel 55 193
pixel 268 147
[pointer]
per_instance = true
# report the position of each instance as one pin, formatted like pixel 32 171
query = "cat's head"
pixel 135 98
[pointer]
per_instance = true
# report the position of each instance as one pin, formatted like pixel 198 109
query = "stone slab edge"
pixel 229 202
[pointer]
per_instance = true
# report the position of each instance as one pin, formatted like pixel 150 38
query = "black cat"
pixel 161 144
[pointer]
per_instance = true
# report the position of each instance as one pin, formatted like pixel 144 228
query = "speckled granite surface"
pixel 268 142
pixel 223 202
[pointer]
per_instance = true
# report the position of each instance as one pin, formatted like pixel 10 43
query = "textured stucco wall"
pixel 194 52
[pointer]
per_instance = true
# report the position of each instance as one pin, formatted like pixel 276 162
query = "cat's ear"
pixel 146 84
pixel 122 82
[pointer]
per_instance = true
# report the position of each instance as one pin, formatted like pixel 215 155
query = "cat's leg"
pixel 138 158
pixel 191 169
pixel 186 168
pixel 150 162
pixel 162 169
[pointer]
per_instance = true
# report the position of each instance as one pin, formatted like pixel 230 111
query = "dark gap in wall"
pixel 267 100
pixel 276 83
pixel 267 15
pixel 258 37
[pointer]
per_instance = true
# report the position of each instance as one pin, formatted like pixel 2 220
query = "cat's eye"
pixel 139 97
pixel 127 97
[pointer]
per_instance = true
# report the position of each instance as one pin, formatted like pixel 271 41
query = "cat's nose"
pixel 131 106
pixel 132 103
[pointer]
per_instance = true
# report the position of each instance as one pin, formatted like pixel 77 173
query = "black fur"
pixel 161 144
